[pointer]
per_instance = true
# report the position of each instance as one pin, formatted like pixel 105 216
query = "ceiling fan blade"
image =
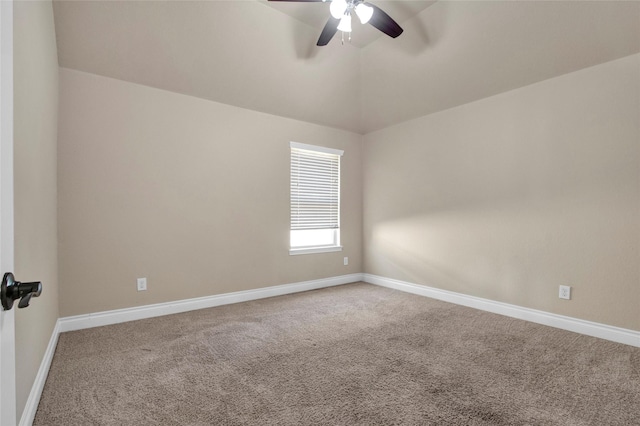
pixel 330 29
pixel 384 22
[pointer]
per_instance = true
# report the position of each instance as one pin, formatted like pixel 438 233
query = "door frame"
pixel 7 318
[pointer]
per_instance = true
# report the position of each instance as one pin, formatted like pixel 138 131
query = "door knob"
pixel 12 290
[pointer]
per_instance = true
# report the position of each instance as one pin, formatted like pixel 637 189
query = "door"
pixel 7 333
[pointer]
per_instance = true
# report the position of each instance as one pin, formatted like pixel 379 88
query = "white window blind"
pixel 315 187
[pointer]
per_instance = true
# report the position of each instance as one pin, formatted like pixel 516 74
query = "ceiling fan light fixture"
pixel 364 12
pixel 340 20
pixel 345 24
pixel 338 8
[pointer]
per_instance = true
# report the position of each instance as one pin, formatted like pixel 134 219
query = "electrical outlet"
pixel 565 292
pixel 346 261
pixel 142 284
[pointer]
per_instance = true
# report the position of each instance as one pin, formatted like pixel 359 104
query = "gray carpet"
pixel 354 354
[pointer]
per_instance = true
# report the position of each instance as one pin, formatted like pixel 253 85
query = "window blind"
pixel 315 187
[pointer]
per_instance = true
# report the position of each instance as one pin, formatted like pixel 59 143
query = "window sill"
pixel 327 249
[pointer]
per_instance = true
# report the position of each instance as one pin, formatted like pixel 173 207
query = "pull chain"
pixel 349 39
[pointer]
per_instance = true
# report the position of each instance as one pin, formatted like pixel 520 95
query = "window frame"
pixel 335 246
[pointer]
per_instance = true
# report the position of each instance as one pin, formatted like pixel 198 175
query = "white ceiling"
pixel 250 54
pixel 456 52
pixel 316 15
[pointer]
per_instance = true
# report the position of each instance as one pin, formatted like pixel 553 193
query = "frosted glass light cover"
pixel 345 24
pixel 364 12
pixel 337 8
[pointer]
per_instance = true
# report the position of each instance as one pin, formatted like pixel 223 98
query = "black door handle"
pixel 12 290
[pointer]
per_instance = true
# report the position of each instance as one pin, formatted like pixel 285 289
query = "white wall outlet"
pixel 565 292
pixel 142 284
pixel 346 261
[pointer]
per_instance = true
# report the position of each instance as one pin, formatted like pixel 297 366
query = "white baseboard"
pixel 30 408
pixel 98 319
pixel 602 331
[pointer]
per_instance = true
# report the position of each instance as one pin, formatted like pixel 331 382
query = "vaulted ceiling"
pixel 262 56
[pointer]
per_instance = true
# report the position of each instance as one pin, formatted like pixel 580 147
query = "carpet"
pixel 356 354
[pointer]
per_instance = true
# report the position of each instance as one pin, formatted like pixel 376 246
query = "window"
pixel 315 199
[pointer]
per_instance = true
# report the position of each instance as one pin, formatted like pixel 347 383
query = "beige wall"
pixel 508 197
pixel 192 194
pixel 35 127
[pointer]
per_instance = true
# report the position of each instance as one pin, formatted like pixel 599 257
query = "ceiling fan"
pixel 340 18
